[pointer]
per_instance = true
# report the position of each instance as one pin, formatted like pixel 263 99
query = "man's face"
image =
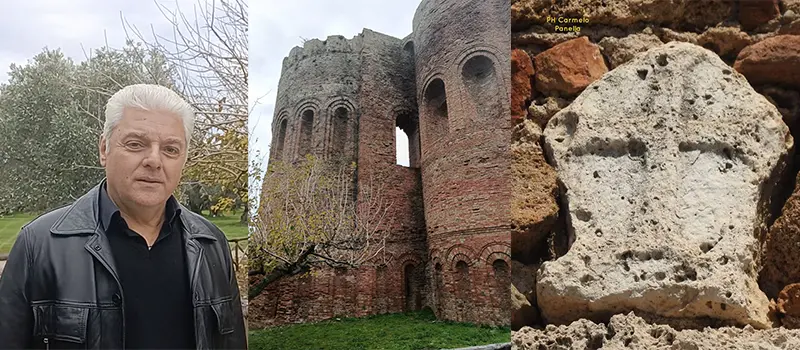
pixel 144 157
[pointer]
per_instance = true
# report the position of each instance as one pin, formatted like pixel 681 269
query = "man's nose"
pixel 153 157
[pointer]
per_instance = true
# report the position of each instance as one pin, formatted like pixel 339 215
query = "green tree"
pixel 38 112
pixel 52 117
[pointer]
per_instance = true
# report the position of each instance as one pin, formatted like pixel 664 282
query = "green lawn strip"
pixel 409 331
pixel 229 224
pixel 10 226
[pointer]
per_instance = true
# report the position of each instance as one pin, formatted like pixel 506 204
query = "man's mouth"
pixel 149 180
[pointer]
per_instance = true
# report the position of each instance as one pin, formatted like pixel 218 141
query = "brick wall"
pixel 463 96
pixel 449 235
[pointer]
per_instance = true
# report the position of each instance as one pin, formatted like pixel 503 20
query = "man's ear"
pixel 103 150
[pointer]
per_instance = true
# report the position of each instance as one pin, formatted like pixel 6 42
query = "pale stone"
pixel 669 35
pixel 791 5
pixel 632 332
pixel 668 164
pixel 542 110
pixel 621 50
pixel 522 312
pixel 724 40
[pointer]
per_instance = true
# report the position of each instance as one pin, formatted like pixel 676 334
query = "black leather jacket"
pixel 60 289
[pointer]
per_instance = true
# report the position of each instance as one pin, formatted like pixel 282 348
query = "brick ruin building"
pixel 446 86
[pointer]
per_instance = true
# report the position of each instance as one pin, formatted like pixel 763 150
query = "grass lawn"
pixel 408 331
pixel 229 224
pixel 11 224
pixel 9 228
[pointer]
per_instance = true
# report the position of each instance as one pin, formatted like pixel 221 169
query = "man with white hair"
pixel 125 266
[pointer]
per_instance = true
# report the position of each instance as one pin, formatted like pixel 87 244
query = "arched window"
pixel 340 135
pixel 409 48
pixel 438 288
pixel 306 129
pixel 411 287
pixel 280 140
pixel 436 108
pixel 482 83
pixel 407 140
pixel 502 284
pixel 462 274
pixel 500 268
pixel 478 69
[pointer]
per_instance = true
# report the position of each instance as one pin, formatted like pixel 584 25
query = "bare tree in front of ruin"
pixel 309 217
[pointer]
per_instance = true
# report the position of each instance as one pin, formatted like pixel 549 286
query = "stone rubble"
pixel 629 331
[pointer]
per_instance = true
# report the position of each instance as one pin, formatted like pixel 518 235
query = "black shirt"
pixel 155 285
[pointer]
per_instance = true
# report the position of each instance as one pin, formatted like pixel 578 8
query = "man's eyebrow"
pixel 136 134
pixel 177 140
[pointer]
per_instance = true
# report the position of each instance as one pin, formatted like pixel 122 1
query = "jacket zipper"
pixel 46 343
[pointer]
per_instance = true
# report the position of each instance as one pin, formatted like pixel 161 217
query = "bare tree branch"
pixel 313 204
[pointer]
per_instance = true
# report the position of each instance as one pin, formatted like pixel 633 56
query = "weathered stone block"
pixel 789 305
pixel 541 111
pixel 621 50
pixel 668 164
pixel 534 211
pixel 724 40
pixel 781 251
pixel 624 13
pixel 569 67
pixel 521 74
pixel 753 13
pixel 774 60
pixel 522 312
pixel 632 332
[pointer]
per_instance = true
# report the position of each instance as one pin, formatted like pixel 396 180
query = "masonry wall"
pixel 327 293
pixel 462 77
pixel 446 87
pixel 757 39
pixel 384 76
pixel 387 97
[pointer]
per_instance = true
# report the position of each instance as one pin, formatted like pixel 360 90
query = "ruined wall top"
pixel 316 47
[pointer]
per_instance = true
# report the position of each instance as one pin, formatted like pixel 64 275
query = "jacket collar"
pixel 83 217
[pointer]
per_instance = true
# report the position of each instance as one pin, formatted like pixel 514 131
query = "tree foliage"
pixel 309 217
pixel 51 118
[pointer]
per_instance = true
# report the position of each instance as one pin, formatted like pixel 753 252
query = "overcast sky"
pixel 76 26
pixel 278 26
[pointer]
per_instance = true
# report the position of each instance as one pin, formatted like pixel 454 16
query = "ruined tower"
pixel 446 87
pixel 316 108
pixel 462 72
